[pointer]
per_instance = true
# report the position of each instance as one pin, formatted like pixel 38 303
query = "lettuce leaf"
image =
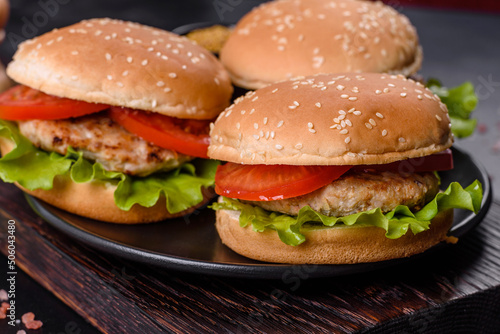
pixel 396 223
pixel 36 169
pixel 461 101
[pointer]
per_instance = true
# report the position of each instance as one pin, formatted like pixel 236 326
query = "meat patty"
pixel 104 141
pixel 360 191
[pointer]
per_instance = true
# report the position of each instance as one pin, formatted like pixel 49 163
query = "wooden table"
pixel 455 290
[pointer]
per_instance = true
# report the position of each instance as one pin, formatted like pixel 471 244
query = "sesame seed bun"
pixel 125 64
pixel 333 245
pixel 283 39
pixel 340 119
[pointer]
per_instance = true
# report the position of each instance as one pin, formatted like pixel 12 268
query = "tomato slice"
pixel 24 103
pixel 273 182
pixel 185 136
pixel 435 162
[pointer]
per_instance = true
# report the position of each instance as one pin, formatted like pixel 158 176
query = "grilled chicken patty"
pixel 104 141
pixel 360 191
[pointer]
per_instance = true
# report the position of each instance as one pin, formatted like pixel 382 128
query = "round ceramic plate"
pixel 191 243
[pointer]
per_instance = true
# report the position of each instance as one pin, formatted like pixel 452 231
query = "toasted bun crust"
pixel 337 245
pixel 95 200
pixel 125 64
pixel 283 39
pixel 4 16
pixel 344 119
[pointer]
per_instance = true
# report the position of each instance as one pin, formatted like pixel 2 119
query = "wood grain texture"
pixel 119 296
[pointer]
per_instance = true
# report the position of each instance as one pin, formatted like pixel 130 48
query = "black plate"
pixel 191 243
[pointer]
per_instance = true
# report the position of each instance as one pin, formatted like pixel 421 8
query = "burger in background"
pixel 109 118
pixel 336 168
pixel 282 39
pixel 5 82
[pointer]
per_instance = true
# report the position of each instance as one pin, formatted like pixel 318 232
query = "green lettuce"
pixel 36 169
pixel 461 101
pixel 396 223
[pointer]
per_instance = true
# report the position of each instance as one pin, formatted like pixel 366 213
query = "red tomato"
pixel 273 182
pixel 24 103
pixel 181 135
pixel 436 162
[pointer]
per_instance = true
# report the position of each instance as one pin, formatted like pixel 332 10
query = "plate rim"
pixel 254 271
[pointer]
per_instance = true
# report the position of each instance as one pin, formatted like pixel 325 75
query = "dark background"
pixel 459 45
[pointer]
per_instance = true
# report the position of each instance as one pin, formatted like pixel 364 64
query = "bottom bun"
pixel 96 200
pixel 329 245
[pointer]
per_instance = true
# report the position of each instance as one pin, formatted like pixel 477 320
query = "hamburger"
pixel 109 121
pixel 283 39
pixel 335 168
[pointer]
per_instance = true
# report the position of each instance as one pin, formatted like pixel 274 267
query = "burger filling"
pixel 102 140
pixel 358 191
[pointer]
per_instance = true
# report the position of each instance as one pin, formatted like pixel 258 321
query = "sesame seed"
pixel 419 97
pixel 352 155
pixel 256 137
pixel 238 125
pixel 273 134
pixel 274 90
pixel 129 60
pixel 344 96
pixel 172 75
pixel 74 53
pixel 344 132
pixel 438 118
pixel 353 98
pixel 167 90
pixel 279 147
pixel 295 87
pixel 312 130
pixel 160 84
pixel 292 107
pixel 265 120
pixel 347 141
pixel 154 103
pixel 310 125
pixel 428 96
pixel 384 133
pixel 369 126
pixel 340 87
pixel 342 112
pixel 298 146
pixel 391 85
pixel 252 111
pixel 378 92
pixel 255 99
pixel 341 117
pixel 386 90
pixel 351 110
pixel 255 125
pixel 318 104
pixel 280 123
pixel 403 94
pixel 144 62
pixel 119 84
pixel 110 77
pixel 379 115
pixel 357 112
pixel 401 140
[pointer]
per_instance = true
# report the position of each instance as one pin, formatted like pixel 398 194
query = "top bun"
pixel 334 119
pixel 125 64
pixel 283 39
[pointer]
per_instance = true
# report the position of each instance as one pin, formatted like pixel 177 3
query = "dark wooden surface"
pixel 456 290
